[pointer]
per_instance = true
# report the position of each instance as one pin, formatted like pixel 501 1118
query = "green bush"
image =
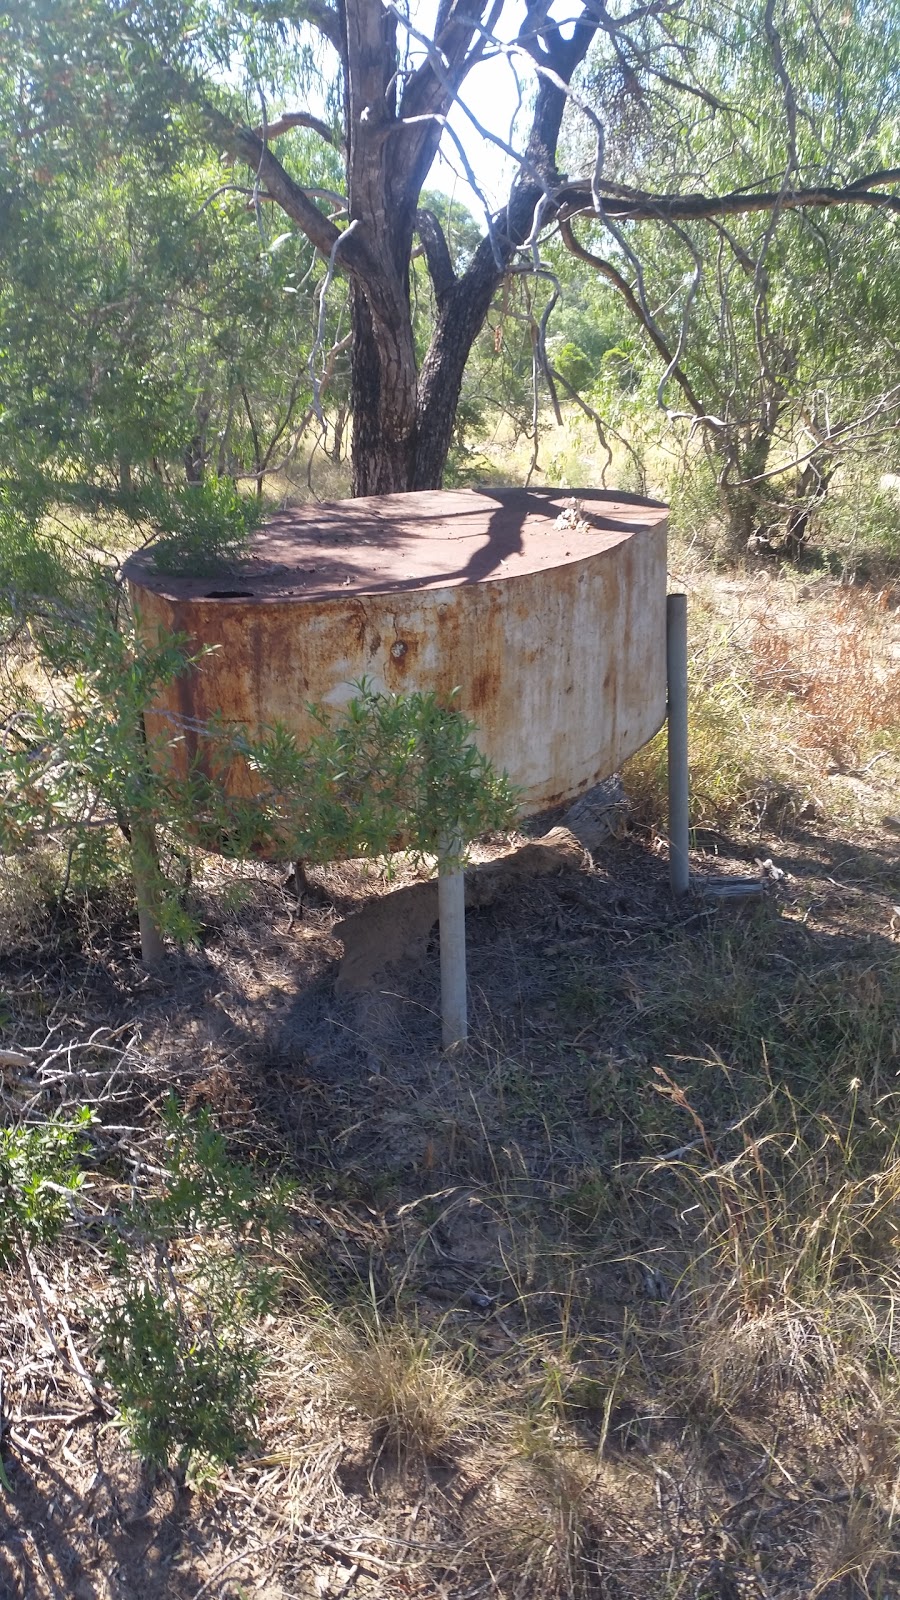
pixel 202 527
pixel 175 1338
pixel 391 769
pixel 74 765
pixel 40 1172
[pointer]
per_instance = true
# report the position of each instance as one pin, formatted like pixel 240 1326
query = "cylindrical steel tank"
pixel 545 609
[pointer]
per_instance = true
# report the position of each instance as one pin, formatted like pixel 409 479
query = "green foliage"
pixel 40 1172
pixel 176 1339
pixel 573 364
pixel 858 526
pixel 149 318
pixel 203 527
pixel 391 769
pixel 205 1188
pixel 73 757
pixel 73 761
pixel 183 1372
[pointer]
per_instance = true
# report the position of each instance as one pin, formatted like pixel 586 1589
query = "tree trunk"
pixel 194 460
pixel 810 489
pixel 383 402
pixel 742 500
pixel 461 316
pixel 403 420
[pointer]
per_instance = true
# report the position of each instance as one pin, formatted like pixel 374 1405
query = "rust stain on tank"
pixel 484 687
pixel 554 638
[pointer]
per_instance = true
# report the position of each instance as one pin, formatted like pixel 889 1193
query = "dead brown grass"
pixel 840 668
pixel 398 1379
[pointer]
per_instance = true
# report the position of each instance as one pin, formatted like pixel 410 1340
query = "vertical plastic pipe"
pixel 452 914
pixel 145 867
pixel 677 730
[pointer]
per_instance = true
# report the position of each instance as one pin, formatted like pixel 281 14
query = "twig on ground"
pixel 241 1555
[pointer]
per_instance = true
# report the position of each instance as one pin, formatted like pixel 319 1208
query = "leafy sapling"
pixel 40 1173
pixel 392 771
pixel 176 1338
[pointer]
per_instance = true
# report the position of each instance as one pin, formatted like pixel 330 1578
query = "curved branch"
pixel 623 287
pixel 297 119
pixel 437 254
pixel 242 142
pixel 635 205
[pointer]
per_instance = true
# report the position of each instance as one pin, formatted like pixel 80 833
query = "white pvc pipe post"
pixel 677 731
pixel 452 915
pixel 145 867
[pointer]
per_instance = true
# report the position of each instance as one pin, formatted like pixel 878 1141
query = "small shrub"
pixel 175 1338
pixel 29 886
pixel 858 523
pixel 40 1172
pixel 203 527
pixel 184 1372
pixel 390 769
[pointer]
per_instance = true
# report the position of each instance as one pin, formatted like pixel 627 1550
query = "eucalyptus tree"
pixel 766 312
pixel 378 84
pixel 149 314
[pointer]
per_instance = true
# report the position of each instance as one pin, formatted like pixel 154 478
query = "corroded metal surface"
pixel 547 615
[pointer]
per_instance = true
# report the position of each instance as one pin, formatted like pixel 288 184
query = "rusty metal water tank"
pixel 545 608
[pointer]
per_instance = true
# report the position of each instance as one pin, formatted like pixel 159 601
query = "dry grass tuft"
pixel 738 760
pixel 547 1520
pixel 398 1378
pixel 855 1547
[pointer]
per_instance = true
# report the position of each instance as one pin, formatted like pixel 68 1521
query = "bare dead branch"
pixel 589 411
pixel 787 88
pixel 319 340
pixel 675 363
pixel 543 362
pixel 338 201
pixel 325 377
pixel 638 311
pixel 842 436
pixel 696 89
pixel 297 119
pixel 451 49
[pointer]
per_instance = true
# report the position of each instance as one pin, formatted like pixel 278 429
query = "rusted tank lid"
pixel 430 540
